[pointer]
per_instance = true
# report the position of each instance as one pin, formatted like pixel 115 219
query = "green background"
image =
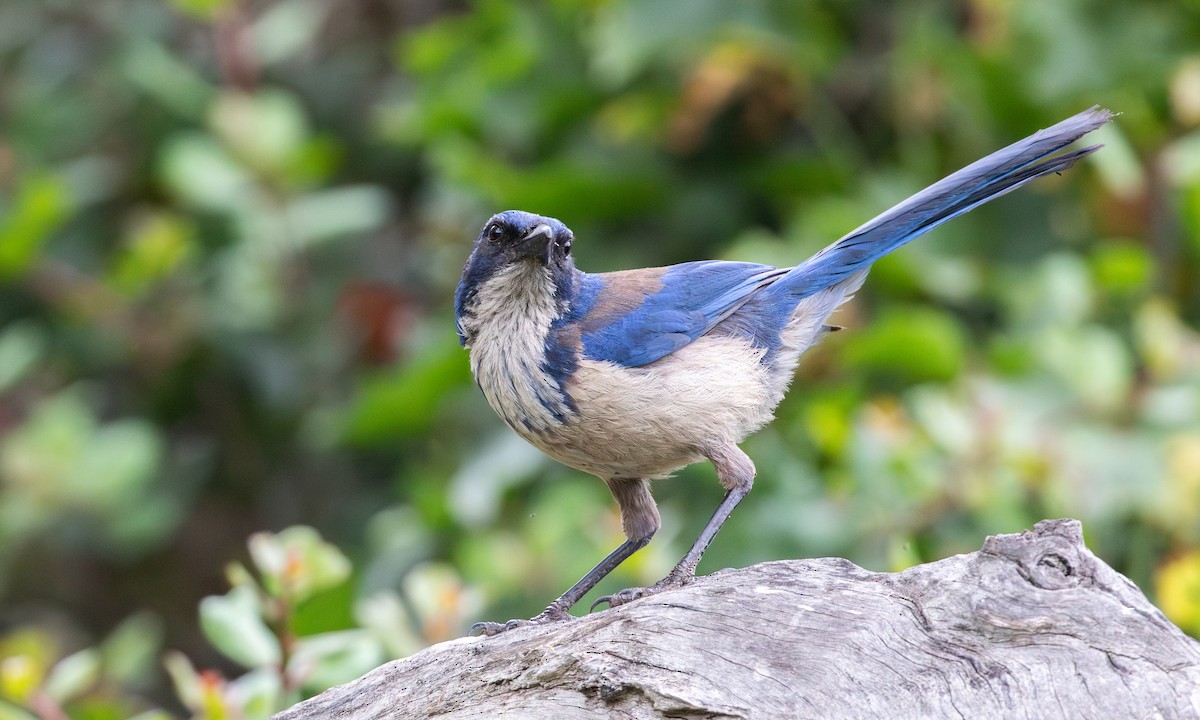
pixel 230 233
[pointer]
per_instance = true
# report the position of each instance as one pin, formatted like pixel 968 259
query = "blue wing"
pixel 635 317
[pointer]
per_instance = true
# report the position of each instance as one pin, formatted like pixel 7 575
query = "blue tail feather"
pixel 986 179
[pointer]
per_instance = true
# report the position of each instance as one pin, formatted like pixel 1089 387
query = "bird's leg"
pixel 639 521
pixel 736 472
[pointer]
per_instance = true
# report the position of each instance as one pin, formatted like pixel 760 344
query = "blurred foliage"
pixel 230 231
pixel 271 623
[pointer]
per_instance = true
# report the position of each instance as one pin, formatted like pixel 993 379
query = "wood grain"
pixel 1031 626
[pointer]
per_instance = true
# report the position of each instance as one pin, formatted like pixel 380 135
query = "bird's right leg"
pixel 639 521
pixel 736 472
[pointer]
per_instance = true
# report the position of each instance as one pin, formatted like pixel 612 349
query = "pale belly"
pixel 647 422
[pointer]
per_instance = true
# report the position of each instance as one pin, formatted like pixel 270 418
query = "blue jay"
pixel 631 375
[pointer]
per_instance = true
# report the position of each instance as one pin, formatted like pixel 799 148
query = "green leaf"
pixel 41 205
pixel 249 293
pixel 153 715
pixel 1119 165
pixel 296 563
pixel 1092 361
pixel 322 661
pixel 384 614
pixel 264 130
pixel 947 419
pixel 1057 294
pixel 12 712
pixel 200 172
pixel 403 400
pixel 203 9
pixel 329 214
pixel 22 345
pixel 259 694
pixel 176 85
pixel 115 466
pixel 289 28
pixel 477 487
pixel 157 246
pixel 1182 160
pixel 1122 268
pixel 40 453
pixel 73 675
pixel 131 650
pixel 828 419
pixel 910 345
pixel 189 688
pixel 234 624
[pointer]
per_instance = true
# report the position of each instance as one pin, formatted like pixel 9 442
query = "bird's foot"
pixel 673 581
pixel 552 614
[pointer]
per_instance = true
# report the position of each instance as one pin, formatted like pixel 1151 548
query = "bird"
pixel 633 374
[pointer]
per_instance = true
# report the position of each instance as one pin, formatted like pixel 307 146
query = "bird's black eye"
pixel 566 246
pixel 495 231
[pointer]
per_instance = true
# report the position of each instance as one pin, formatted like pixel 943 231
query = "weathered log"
pixel 1031 626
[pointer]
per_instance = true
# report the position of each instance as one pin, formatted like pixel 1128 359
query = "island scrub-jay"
pixel 632 375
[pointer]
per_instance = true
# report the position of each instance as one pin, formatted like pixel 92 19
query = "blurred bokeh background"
pixel 230 232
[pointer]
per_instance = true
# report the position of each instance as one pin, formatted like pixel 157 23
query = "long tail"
pixel 1001 172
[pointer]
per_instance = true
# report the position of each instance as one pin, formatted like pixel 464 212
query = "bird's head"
pixel 516 240
pixel 515 236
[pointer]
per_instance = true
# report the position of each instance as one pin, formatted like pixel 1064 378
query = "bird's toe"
pixel 487 629
pixel 627 595
pixel 671 582
pixel 552 614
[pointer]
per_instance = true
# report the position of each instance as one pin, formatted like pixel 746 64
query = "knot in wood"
pixel 1055 571
pixel 1051 557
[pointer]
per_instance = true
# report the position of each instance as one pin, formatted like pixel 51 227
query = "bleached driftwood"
pixel 1031 626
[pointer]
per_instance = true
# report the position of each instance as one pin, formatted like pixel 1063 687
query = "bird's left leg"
pixel 736 472
pixel 639 521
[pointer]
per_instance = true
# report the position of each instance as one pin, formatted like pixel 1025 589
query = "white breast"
pixel 507 325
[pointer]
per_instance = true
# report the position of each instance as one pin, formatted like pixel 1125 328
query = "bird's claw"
pixel 551 614
pixel 487 629
pixel 628 595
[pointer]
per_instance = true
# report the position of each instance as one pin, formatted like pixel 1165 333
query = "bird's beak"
pixel 536 242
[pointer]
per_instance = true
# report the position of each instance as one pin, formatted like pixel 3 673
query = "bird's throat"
pixel 508 324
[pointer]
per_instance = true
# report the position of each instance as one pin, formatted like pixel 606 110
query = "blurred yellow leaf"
pixel 1122 268
pixel 204 9
pixel 1177 583
pixel 828 421
pixel 1183 480
pixel 157 244
pixel 20 676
